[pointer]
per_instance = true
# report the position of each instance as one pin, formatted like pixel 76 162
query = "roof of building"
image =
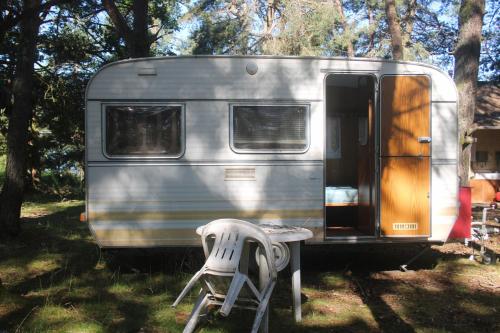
pixel 487 106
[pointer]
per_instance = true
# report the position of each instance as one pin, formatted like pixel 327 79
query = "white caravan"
pixel 356 150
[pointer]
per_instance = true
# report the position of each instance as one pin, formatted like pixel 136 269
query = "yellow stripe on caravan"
pixel 146 237
pixel 207 215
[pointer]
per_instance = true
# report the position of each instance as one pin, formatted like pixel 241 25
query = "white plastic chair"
pixel 223 260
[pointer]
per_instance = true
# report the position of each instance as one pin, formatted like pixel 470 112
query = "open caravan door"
pixel 405 153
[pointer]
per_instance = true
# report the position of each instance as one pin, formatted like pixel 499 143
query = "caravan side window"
pixel 143 130
pixel 270 128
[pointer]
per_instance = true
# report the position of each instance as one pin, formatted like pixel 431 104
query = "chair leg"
pixel 264 280
pixel 262 308
pixel 201 304
pixel 233 292
pixel 187 288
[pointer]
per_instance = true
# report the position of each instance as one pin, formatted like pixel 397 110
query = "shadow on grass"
pixel 56 279
pixel 438 294
pixel 55 240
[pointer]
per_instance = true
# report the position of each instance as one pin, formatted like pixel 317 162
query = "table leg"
pixel 295 267
pixel 263 281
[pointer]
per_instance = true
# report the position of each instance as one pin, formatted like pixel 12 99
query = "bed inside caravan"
pixel 350 156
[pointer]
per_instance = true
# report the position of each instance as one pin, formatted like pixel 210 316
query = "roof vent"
pixel 145 71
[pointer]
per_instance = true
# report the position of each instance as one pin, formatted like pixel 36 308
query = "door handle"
pixel 424 139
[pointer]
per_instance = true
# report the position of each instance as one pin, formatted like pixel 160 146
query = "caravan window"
pixel 143 131
pixel 276 128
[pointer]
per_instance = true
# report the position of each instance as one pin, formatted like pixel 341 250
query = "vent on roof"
pixel 146 71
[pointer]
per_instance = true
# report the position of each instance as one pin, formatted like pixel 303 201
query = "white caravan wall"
pixel 160 202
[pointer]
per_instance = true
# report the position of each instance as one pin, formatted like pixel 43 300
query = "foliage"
pixel 66 61
pixel 305 28
pixel 221 27
pixel 490 48
pixel 161 22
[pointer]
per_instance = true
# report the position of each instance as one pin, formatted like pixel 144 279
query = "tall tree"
pixel 8 18
pixel 394 29
pixel 467 52
pixel 137 38
pixel 141 25
pixel 345 27
pixel 11 197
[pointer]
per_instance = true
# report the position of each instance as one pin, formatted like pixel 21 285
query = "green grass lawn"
pixel 55 279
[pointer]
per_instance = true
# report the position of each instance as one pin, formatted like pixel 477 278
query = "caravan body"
pixel 356 150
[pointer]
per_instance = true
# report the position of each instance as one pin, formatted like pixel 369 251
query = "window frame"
pixel 143 157
pixel 270 151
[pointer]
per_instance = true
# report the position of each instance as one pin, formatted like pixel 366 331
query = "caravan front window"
pixel 143 130
pixel 274 128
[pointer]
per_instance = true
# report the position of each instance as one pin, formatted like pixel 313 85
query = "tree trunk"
pixel 137 39
pixel 369 16
pixel 394 29
pixel 140 34
pixel 466 55
pixel 345 27
pixel 22 111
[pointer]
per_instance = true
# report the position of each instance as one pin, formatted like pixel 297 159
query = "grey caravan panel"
pixel 225 77
pixel 160 205
pixel 208 78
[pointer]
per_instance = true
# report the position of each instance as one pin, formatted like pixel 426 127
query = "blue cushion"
pixel 341 194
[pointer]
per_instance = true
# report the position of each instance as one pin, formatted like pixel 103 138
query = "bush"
pixel 63 185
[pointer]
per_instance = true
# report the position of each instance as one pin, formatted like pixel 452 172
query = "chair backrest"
pixel 229 237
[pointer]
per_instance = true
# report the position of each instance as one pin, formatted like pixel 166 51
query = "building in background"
pixel 485 162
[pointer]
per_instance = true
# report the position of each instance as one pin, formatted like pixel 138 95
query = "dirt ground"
pixel 443 289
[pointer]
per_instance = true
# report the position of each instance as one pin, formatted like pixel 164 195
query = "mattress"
pixel 341 195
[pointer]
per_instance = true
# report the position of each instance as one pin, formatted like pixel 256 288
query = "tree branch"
pixel 409 18
pixel 117 18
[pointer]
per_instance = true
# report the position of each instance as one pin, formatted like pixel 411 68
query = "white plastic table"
pixel 286 245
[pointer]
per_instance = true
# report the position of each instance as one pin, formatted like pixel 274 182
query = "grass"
pixel 3 160
pixel 55 279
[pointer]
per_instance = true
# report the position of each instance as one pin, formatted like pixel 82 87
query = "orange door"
pixel 405 156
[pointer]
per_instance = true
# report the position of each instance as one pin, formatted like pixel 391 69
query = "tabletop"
pixel 280 233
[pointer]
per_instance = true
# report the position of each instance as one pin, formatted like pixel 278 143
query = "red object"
pixel 497 197
pixel 462 226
